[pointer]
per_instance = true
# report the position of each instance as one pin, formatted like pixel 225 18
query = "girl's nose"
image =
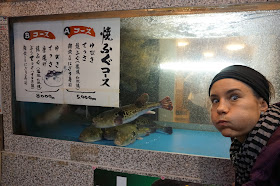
pixel 222 107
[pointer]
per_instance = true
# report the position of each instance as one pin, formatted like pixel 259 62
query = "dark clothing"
pixel 244 155
pixel 266 170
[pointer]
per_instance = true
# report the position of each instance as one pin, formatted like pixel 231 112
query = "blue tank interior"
pixel 193 142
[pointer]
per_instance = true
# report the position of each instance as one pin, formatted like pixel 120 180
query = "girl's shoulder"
pixel 275 137
pixel 265 170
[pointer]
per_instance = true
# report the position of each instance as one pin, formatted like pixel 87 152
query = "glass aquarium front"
pixel 166 63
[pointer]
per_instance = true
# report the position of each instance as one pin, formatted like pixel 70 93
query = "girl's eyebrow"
pixel 232 90
pixel 213 96
pixel 227 92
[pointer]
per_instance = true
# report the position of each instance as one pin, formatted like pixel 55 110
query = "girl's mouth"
pixel 222 123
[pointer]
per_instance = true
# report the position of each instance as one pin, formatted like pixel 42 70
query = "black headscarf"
pixel 248 76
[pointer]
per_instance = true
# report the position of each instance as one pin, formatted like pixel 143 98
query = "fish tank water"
pixel 166 65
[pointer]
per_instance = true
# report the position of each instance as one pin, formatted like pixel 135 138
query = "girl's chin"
pixel 230 134
pixel 226 133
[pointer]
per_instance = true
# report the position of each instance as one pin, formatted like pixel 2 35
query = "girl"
pixel 240 110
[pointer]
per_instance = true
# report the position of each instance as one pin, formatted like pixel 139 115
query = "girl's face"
pixel 235 109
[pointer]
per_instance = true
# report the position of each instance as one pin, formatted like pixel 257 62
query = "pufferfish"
pixel 128 113
pixel 126 134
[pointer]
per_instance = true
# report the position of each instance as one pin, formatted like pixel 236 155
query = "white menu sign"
pixel 68 62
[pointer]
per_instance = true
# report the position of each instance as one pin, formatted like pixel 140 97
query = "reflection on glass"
pixel 175 56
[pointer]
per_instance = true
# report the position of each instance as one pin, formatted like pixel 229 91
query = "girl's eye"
pixel 234 97
pixel 214 100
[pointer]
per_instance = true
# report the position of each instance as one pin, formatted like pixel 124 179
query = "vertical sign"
pixel 1 112
pixel 68 62
pixel 3 23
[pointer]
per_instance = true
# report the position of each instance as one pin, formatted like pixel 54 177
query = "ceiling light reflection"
pixel 208 54
pixel 182 44
pixel 235 47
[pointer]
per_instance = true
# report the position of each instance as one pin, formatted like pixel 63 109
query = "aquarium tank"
pixel 159 73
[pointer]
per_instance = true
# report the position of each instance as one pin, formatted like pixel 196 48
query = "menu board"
pixel 68 62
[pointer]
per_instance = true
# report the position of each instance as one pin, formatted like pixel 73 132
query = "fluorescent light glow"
pixel 235 47
pixel 182 44
pixel 195 66
pixel 208 54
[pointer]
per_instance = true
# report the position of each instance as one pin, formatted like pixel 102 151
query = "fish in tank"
pixel 128 113
pixel 126 134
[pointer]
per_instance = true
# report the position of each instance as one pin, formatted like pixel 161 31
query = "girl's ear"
pixel 263 105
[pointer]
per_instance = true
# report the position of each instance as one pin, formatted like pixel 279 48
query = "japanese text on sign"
pixel 68 62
